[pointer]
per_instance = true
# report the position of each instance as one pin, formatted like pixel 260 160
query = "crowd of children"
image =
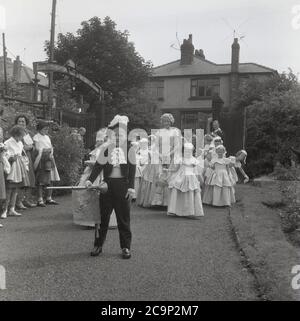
pixel 26 163
pixel 205 176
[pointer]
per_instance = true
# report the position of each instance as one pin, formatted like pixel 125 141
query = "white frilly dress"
pixel 185 192
pixel 18 175
pixel 147 186
pixel 142 156
pixel 219 189
pixel 166 140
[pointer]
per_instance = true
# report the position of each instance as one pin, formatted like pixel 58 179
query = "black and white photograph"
pixel 149 152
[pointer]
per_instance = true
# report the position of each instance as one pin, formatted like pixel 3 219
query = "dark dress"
pixel 31 173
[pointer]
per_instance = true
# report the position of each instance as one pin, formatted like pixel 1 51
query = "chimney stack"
pixel 187 51
pixel 235 56
pixel 17 69
pixel 200 53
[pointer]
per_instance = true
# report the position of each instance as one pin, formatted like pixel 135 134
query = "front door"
pixel 194 120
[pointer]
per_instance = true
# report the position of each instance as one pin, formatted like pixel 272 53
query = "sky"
pixel 269 29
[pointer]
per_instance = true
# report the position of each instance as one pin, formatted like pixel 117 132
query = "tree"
pixel 104 55
pixel 273 122
pixel 255 89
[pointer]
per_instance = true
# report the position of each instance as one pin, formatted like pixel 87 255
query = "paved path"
pixel 47 258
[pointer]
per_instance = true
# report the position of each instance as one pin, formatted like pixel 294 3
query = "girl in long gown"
pixel 219 190
pixel 142 158
pixel 168 144
pixel 185 191
pixel 147 187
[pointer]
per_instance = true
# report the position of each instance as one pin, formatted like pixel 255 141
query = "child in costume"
pixel 142 155
pixel 168 144
pixel 185 192
pixel 219 190
pixel 150 172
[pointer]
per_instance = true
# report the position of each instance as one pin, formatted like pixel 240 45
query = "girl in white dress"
pixel 150 172
pixel 168 144
pixel 18 175
pixel 142 156
pixel 185 192
pixel 44 164
pixel 219 190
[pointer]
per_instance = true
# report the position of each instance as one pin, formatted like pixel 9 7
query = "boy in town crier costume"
pixel 117 162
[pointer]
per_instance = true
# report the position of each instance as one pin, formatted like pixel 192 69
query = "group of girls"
pixel 27 166
pixel 183 181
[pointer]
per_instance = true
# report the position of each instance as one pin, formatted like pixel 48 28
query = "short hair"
pixel 17 131
pixel 22 116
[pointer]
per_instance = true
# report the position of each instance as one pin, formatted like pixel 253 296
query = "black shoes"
pixel 51 202
pixel 96 251
pixel 126 254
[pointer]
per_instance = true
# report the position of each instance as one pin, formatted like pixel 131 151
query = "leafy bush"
pixel 68 152
pixel 273 122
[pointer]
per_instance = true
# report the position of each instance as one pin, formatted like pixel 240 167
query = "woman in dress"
pixel 24 199
pixel 219 190
pixel 184 184
pixel 44 164
pixel 18 175
pixel 168 145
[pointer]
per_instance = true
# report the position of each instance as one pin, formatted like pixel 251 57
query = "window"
pixel 204 87
pixel 156 89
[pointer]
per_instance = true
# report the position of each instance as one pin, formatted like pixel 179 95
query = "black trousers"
pixel 114 199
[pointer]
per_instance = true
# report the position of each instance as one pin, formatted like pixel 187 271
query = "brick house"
pixel 23 79
pixel 190 87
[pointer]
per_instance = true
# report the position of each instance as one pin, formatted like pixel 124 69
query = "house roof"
pixel 26 76
pixel 202 66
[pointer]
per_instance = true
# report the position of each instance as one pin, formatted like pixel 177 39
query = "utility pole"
pixel 4 64
pixel 51 59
